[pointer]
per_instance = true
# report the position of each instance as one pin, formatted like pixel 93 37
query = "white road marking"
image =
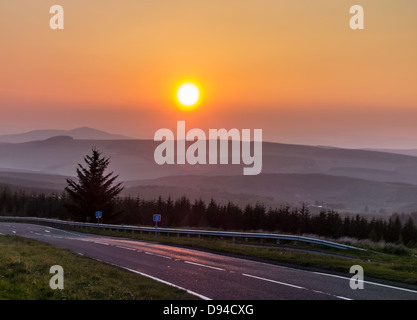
pixel 158 255
pixel 127 248
pixel 297 287
pixel 168 283
pixel 368 282
pixel 157 279
pixel 106 244
pixel 273 281
pixel 203 265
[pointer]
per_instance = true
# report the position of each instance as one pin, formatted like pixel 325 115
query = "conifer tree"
pixel 94 191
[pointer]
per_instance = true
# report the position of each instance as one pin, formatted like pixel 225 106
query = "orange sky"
pixel 292 68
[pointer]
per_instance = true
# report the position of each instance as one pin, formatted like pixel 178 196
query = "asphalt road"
pixel 207 275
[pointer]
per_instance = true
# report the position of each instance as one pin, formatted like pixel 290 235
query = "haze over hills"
pixel 363 181
pixel 78 133
pixel 317 190
pixel 409 152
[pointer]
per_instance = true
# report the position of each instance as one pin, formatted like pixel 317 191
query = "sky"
pixel 294 69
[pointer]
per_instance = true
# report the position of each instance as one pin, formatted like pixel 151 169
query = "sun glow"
pixel 188 96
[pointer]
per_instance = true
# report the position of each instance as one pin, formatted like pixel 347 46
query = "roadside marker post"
pixel 99 214
pixel 156 219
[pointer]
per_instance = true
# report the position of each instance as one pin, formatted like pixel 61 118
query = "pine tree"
pixel 95 190
pixel 408 232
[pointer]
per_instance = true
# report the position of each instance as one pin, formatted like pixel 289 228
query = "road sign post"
pixel 156 219
pixel 99 214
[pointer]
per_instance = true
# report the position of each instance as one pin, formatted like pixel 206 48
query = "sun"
pixel 188 96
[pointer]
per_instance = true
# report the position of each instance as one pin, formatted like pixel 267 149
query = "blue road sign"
pixel 156 218
pixel 99 214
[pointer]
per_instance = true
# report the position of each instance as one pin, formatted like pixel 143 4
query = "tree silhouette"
pixel 94 191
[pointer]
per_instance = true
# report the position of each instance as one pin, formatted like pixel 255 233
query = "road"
pixel 207 275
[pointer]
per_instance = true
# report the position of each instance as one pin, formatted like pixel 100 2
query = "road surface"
pixel 207 275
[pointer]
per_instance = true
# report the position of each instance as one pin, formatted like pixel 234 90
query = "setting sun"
pixel 188 96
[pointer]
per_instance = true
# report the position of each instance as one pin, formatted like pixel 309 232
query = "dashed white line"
pixel 106 244
pixel 273 281
pixel 127 248
pixel 343 298
pixel 297 287
pixel 203 265
pixel 158 255
pixel 368 282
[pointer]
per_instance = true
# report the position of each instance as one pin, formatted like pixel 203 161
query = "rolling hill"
pixel 346 179
pixel 78 133
pixel 317 190
pixel 133 160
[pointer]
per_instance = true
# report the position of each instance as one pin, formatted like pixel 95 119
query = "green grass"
pixel 24 275
pixel 380 261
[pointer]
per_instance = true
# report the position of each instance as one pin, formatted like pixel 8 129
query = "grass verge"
pixel 24 275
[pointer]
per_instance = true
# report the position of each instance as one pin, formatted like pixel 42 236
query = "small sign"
pixel 156 218
pixel 99 214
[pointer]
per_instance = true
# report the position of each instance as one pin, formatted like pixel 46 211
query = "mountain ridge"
pixel 346 179
pixel 85 133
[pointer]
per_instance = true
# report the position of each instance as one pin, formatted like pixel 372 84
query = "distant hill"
pixel 345 179
pixel 409 152
pixel 32 182
pixel 273 190
pixel 134 160
pixel 78 133
pixel 318 190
